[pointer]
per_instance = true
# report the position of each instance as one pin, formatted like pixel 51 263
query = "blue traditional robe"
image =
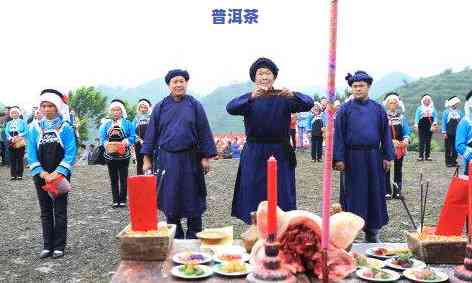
pixel 265 118
pixel 362 140
pixel 179 135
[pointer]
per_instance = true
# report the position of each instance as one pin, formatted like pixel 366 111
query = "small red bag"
pixel 57 187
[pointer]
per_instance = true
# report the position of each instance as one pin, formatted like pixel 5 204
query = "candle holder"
pixel 464 272
pixel 270 269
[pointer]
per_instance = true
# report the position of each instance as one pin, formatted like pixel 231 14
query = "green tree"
pixel 89 106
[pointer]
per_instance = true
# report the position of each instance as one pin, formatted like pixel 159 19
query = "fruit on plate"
pixel 230 257
pixel 192 257
pixel 376 273
pixel 191 269
pixel 404 260
pixel 426 274
pixel 360 260
pixel 391 251
pixel 234 266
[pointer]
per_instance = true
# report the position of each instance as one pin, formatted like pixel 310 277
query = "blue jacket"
pixel 302 119
pixel 445 119
pixel 126 125
pixel 419 114
pixel 309 120
pixel 16 125
pixel 463 140
pixel 67 139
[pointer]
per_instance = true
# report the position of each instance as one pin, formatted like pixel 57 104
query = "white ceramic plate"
pixel 207 271
pixel 410 275
pixel 371 252
pixel 217 269
pixel 393 275
pixel 179 258
pixel 244 257
pixel 373 262
pixel 416 264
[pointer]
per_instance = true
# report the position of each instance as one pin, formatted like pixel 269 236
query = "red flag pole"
pixel 328 160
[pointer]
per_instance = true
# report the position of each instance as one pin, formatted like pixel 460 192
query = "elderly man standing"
pixel 266 114
pixel 180 136
pixel 363 149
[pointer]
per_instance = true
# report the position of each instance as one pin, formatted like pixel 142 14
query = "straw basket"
pixel 146 246
pixel 434 249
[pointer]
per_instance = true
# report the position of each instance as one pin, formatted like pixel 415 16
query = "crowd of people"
pixel 174 141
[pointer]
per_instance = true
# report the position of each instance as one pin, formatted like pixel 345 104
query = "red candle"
pixel 142 202
pixel 272 195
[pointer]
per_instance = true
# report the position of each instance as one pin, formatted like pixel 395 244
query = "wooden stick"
pixel 424 205
pixel 421 207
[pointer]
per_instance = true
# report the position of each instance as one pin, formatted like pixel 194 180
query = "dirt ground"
pixel 92 252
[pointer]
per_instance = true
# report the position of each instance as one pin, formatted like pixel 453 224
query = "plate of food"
pixel 362 261
pixel 426 274
pixel 232 268
pixel 377 274
pixel 211 236
pixel 404 261
pixel 194 257
pixel 191 271
pixel 231 256
pixel 385 253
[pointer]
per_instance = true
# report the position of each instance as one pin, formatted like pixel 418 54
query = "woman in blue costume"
pixel 451 118
pixel 51 152
pixel 118 129
pixel 267 120
pixel 16 130
pixel 141 122
pixel 363 149
pixel 400 132
pixel 426 121
pixel 464 133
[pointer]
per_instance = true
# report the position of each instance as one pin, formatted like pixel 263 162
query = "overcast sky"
pixel 66 44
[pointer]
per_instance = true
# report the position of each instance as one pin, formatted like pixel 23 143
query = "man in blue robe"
pixel 363 149
pixel 266 114
pixel 180 137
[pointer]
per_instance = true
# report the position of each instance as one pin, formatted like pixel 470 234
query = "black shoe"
pixel 372 237
pixel 115 205
pixel 420 159
pixel 19 178
pixel 122 204
pixel 12 178
pixel 388 196
pixel 45 253
pixel 57 254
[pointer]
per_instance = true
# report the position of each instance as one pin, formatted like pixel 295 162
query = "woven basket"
pixel 437 251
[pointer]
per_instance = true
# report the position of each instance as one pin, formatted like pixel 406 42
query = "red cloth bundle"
pixel 57 187
pixel 400 151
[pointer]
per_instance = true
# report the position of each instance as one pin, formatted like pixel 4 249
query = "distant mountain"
pixel 440 87
pixel 154 90
pixel 215 107
pixel 388 83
